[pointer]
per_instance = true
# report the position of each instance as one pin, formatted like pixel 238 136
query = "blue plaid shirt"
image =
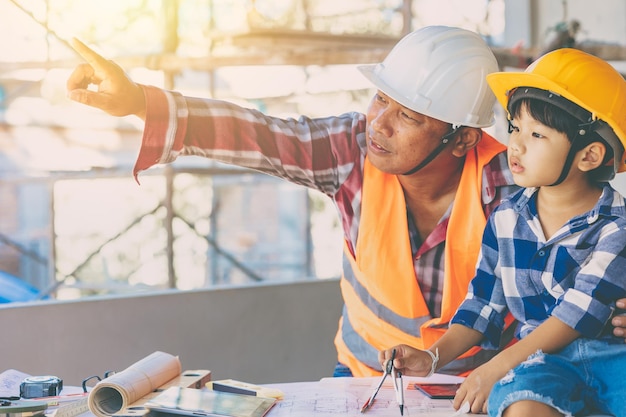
pixel 576 276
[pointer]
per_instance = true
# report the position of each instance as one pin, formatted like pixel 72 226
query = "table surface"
pixel 345 396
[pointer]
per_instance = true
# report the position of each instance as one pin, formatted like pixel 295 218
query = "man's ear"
pixel 466 139
pixel 591 156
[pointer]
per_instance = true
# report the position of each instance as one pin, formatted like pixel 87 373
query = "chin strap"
pixel 578 143
pixel 445 139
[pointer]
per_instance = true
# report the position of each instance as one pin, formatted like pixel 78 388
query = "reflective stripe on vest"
pixel 383 302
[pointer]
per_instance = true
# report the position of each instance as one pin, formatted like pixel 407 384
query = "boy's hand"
pixel 477 386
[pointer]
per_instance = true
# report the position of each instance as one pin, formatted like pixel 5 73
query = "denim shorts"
pixel 586 377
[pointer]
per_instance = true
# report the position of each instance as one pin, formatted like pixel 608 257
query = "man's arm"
pixel 317 153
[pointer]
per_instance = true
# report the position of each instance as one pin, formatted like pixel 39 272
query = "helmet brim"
pixel 502 83
pixel 370 72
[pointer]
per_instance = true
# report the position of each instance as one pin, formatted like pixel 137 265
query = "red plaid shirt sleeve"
pixel 319 153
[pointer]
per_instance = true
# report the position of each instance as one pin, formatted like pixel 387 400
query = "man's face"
pixel 398 139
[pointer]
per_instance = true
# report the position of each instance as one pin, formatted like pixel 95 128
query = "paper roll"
pixel 123 388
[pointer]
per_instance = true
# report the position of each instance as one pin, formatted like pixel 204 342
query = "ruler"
pixel 73 408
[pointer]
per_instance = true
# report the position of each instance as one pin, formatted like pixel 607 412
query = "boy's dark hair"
pixel 561 121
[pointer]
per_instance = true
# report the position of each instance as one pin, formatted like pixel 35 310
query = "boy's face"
pixel 536 152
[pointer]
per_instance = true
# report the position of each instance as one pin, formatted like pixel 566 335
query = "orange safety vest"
pixel 383 304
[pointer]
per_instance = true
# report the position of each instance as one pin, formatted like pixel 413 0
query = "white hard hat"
pixel 439 71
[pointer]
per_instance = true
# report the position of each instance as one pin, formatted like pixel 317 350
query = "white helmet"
pixel 439 71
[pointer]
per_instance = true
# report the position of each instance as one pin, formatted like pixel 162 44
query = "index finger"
pixel 91 56
pixel 389 366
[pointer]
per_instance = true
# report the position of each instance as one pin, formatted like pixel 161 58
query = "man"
pixel 413 171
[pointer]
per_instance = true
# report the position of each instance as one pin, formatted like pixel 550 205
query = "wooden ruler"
pixel 73 408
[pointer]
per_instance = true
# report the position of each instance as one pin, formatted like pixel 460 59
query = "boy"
pixel 552 254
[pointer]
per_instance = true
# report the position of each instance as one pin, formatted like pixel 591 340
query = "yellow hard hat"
pixel 583 79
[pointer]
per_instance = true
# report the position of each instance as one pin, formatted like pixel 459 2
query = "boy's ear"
pixel 466 138
pixel 592 156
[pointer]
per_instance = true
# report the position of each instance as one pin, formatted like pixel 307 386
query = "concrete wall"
pixel 260 334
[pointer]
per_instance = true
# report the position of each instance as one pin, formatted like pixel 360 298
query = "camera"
pixel 41 386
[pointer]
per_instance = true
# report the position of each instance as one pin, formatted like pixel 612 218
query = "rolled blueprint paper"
pixel 120 390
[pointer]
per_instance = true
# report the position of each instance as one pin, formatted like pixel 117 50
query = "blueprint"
pixel 332 397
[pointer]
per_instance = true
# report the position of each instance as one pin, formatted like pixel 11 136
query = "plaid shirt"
pixel 575 276
pixel 325 154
